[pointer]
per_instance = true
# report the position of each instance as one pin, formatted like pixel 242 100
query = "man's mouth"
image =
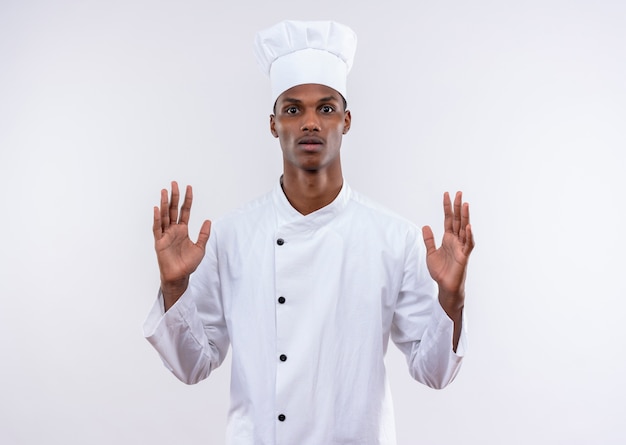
pixel 310 143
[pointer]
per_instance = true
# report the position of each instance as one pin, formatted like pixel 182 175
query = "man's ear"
pixel 347 122
pixel 273 125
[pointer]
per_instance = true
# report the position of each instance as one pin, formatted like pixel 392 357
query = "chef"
pixel 308 283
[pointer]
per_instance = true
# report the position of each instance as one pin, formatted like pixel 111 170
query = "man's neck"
pixel 310 191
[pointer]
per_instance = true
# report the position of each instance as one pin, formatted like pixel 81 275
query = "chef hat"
pixel 295 52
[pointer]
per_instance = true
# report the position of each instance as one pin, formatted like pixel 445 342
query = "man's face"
pixel 310 122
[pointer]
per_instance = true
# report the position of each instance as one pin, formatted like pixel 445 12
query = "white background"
pixel 522 105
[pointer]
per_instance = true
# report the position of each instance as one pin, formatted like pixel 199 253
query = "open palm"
pixel 178 256
pixel 447 264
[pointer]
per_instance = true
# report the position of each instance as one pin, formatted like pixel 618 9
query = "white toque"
pixel 298 52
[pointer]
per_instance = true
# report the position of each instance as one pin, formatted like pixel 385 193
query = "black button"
pixel 281 417
pixel 281 300
pixel 283 358
pixel 280 241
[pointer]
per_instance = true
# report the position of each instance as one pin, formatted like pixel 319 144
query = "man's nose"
pixel 310 121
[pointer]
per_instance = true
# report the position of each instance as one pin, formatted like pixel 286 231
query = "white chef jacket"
pixel 308 303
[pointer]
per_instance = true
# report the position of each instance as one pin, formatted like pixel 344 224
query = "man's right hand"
pixel 177 255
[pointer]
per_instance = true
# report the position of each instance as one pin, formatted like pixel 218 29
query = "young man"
pixel 308 283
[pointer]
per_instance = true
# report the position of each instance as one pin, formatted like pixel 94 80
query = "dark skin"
pixel 309 122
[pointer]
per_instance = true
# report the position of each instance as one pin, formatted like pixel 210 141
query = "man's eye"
pixel 327 109
pixel 291 110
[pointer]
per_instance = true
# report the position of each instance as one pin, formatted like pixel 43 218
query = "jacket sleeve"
pixel 191 337
pixel 421 329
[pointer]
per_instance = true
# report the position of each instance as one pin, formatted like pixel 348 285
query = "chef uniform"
pixel 308 302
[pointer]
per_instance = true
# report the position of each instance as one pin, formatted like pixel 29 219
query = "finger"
pixel 173 210
pixel 447 213
pixel 464 222
pixel 469 242
pixel 429 239
pixel 203 236
pixel 165 215
pixel 156 224
pixel 456 225
pixel 185 210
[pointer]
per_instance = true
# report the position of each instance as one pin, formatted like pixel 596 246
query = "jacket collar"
pixel 286 214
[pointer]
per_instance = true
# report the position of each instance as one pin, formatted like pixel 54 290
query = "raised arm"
pixel 178 256
pixel 447 265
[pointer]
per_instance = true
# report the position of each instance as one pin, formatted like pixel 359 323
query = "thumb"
pixel 203 236
pixel 429 239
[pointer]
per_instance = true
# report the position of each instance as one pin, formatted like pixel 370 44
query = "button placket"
pixel 286 246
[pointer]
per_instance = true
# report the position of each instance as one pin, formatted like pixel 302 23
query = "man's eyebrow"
pixel 329 99
pixel 292 100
